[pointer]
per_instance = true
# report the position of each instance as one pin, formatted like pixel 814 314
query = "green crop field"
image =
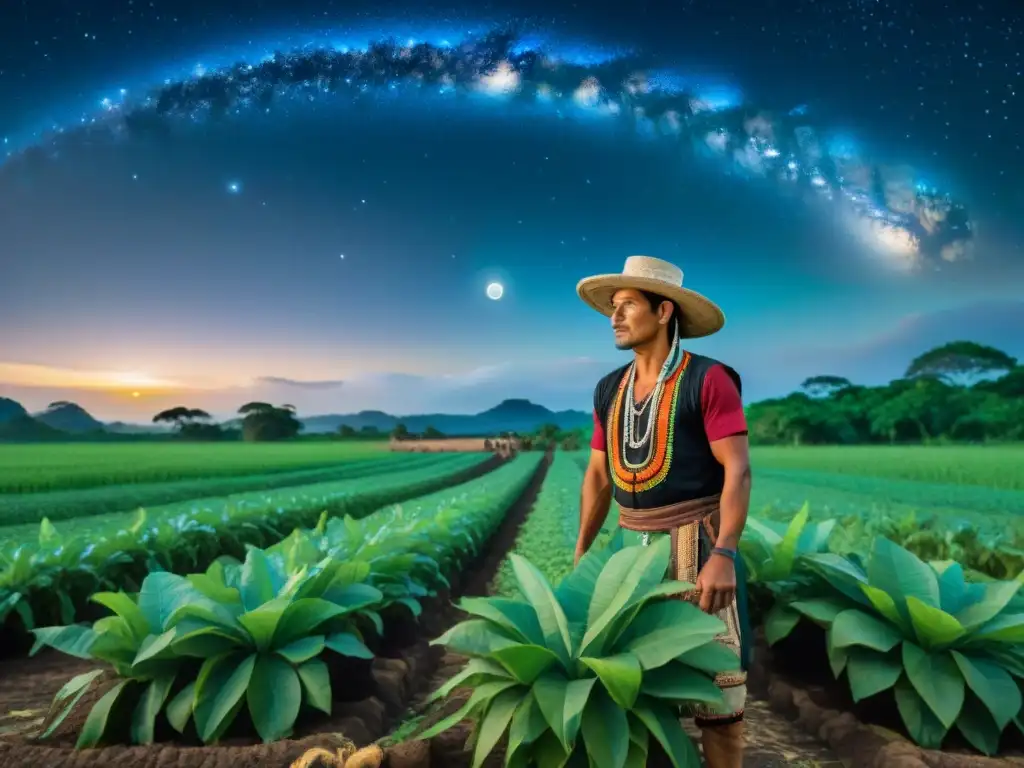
pixel 51 467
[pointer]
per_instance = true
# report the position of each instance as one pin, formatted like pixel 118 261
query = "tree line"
pixel 961 391
pixel 260 422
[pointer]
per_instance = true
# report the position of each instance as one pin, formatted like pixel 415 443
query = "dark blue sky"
pixel 174 255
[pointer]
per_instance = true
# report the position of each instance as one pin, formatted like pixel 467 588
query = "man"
pixel 670 442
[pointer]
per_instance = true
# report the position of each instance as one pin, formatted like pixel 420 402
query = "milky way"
pixel 911 223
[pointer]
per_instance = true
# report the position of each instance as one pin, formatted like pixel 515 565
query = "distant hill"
pixel 68 417
pixel 26 429
pixel 10 410
pixel 508 416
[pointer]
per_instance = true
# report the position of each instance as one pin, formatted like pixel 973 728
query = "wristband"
pixel 730 553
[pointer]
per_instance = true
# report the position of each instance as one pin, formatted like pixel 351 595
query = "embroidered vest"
pixel 681 466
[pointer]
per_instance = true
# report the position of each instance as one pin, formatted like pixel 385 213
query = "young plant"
pixel 247 636
pixel 951 651
pixel 587 673
pixel 777 576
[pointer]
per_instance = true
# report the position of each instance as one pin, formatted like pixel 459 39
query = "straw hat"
pixel 700 315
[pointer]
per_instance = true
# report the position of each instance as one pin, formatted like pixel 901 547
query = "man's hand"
pixel 716 584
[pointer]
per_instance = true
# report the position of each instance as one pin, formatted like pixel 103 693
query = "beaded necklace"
pixel 622 428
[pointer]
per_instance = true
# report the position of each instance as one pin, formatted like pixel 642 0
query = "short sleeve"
pixel 721 405
pixel 597 442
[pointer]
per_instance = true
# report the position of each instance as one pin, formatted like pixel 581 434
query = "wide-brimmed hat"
pixel 700 315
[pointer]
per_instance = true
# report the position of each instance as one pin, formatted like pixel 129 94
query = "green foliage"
pixel 589 672
pixel 50 581
pixel 250 636
pixel 549 533
pixel 201 648
pixel 943 397
pixel 263 422
pixel 25 508
pixel 34 468
pixel 949 650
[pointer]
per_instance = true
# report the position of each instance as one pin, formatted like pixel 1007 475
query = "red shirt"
pixel 720 403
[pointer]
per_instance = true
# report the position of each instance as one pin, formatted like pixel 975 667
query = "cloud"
pixel 298 383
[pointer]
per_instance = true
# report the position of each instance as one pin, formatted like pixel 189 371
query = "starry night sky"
pixel 186 217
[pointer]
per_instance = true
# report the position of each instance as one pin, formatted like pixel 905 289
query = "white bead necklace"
pixel 630 432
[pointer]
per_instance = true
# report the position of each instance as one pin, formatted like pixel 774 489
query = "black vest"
pixel 691 470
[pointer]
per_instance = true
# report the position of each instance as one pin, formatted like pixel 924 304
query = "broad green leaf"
pixel 901 573
pixel 148 707
pixel 476 637
pixel 548 752
pixel 258 585
pixel 577 693
pixel 316 684
pixel 870 672
pixel 933 626
pixel 528 724
pixel 884 604
pixel 628 573
pixel 779 622
pixel 525 662
pixel 605 732
pixel 494 722
pixel 855 627
pixel 155 646
pixel 218 693
pixel 837 657
pixel 73 640
pixel 821 611
pixel 98 721
pixel 663 724
pixel 481 697
pixel 712 658
pixel 263 621
pixel 274 697
pixel 953 589
pixel 347 644
pixel 993 598
pixel 664 630
pixel 162 593
pixel 179 709
pixel 785 552
pixel 475 670
pixel 302 650
pixel 516 617
pixel 127 609
pixel 937 680
pixel 213 589
pixel 549 613
pixel 75 688
pixel 841 573
pixel 352 597
pixel 993 686
pixel 978 727
pixel 679 683
pixel 552 693
pixel 921 723
pixel 302 617
pixel 1007 628
pixel 620 675
pixel 204 643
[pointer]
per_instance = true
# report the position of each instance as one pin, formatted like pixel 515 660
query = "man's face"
pixel 633 320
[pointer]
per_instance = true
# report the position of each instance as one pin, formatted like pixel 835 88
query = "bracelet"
pixel 730 553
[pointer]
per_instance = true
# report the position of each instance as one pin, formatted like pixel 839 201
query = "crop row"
pixel 49 467
pixel 22 508
pixel 548 536
pixel 254 640
pixel 50 581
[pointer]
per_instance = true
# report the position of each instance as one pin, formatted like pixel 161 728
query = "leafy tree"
pixel 262 422
pixel 432 433
pixel 191 423
pixel 961 362
pixel 400 432
pixel 346 431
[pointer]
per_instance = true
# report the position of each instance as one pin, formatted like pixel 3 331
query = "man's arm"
pixel 595 500
pixel 733 453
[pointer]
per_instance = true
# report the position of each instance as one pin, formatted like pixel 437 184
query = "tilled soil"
pixel 27 687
